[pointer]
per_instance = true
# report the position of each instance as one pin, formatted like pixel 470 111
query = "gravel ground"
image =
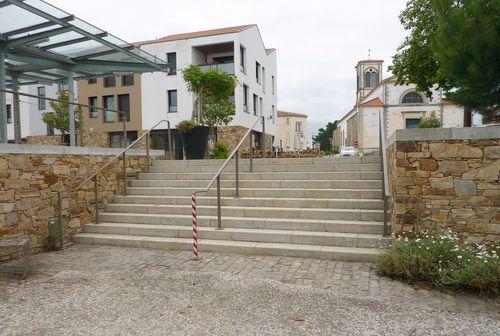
pixel 152 302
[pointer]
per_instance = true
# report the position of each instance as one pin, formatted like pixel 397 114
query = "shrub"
pixel 221 151
pixel 185 126
pixel 432 121
pixel 443 261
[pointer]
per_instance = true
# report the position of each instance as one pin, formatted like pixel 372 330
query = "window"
pixel 243 59
pixel 172 63
pixel 412 122
pixel 8 109
pixel 41 102
pixel 109 102
pixel 172 101
pixel 62 87
pixel 124 106
pixel 257 72
pixel 93 112
pixel 245 98
pixel 92 81
pixel 50 130
pixel 371 78
pixel 273 113
pixel 261 106
pixel 255 102
pixel 412 98
pixel 110 81
pixel 263 79
pixel 116 139
pixel 298 127
pixel 127 80
pixel 272 85
pixel 287 120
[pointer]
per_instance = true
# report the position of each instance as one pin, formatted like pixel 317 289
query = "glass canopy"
pixel 42 43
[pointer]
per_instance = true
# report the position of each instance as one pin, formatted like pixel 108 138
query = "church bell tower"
pixel 369 75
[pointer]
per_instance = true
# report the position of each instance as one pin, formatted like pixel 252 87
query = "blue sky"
pixel 318 42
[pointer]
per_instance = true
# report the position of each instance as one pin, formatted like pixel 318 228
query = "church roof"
pixel 376 102
pixel 282 114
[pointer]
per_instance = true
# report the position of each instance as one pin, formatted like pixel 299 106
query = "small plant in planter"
pixel 194 139
pixel 221 151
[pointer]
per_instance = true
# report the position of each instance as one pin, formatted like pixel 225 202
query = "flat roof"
pixel 42 43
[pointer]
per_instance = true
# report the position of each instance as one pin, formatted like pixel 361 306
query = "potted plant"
pixel 194 139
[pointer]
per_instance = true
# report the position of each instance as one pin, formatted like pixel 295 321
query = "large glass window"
pixel 93 111
pixel 124 106
pixel 108 102
pixel 8 109
pixel 263 79
pixel 243 58
pixel 245 98
pixel 41 102
pixel 412 98
pixel 261 106
pixel 110 81
pixel 172 63
pixel 255 102
pixel 257 72
pixel 92 81
pixel 172 101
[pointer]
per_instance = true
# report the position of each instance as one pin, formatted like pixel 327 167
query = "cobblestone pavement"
pixel 347 278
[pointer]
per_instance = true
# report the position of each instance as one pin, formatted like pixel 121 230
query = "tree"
pixel 455 45
pixel 432 121
pixel 212 89
pixel 324 135
pixel 59 119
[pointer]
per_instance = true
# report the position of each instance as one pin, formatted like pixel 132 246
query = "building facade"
pixel 292 131
pixel 155 96
pixel 401 106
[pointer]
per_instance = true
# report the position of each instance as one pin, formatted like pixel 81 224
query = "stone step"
pixel 262 192
pixel 333 167
pixel 316 184
pixel 254 212
pixel 374 204
pixel 293 224
pixel 255 235
pixel 266 176
pixel 273 161
pixel 238 247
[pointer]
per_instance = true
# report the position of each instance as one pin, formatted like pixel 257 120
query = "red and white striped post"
pixel 195 227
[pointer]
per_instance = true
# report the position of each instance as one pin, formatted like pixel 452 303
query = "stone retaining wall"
pixel 446 178
pixel 30 176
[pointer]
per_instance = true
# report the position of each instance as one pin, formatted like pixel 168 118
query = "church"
pixel 401 106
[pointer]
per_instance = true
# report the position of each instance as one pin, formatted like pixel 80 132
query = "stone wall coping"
pixel 67 150
pixel 463 133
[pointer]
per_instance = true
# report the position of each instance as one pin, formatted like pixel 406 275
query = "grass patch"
pixel 444 261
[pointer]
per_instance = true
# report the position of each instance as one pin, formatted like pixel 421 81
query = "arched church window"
pixel 371 78
pixel 412 98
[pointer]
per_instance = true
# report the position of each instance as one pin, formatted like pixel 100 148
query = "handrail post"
pixel 382 159
pixel 237 170
pixel 124 173
pixel 219 215
pixel 263 137
pixel 170 144
pixel 96 201
pixel 250 155
pixel 147 153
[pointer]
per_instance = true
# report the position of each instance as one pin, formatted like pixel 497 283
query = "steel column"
pixel 170 144
pixel 250 154
pixel 96 205
pixel 124 174
pixel 147 153
pixel 71 109
pixel 263 137
pixel 17 112
pixel 3 101
pixel 219 214
pixel 123 115
pixel 237 170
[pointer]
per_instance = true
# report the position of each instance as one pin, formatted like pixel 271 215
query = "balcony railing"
pixel 223 67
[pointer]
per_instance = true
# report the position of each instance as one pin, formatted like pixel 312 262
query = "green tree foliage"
pixel 432 121
pixel 59 119
pixel 212 90
pixel 454 44
pixel 221 151
pixel 324 135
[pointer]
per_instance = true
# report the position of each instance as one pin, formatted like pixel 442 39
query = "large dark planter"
pixel 195 142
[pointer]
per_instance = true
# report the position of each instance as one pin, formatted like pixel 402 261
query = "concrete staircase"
pixel 327 208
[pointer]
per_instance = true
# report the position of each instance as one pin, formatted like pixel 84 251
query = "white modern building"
pixel 401 106
pixel 237 50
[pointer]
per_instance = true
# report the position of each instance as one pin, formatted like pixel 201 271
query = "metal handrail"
pixel 123 155
pixel 385 178
pixel 234 153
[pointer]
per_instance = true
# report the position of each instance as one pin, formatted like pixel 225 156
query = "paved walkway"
pixel 347 278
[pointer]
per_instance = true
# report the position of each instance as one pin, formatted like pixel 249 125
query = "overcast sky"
pixel 318 41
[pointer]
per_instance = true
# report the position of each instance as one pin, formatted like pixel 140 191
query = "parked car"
pixel 348 151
